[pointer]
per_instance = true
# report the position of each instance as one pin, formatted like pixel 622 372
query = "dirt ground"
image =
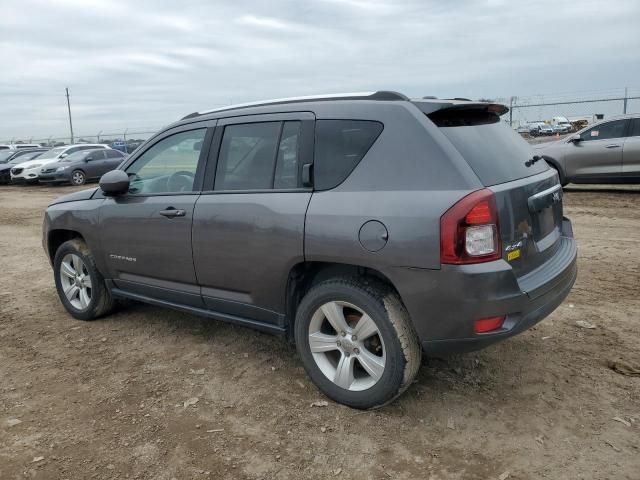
pixel 154 394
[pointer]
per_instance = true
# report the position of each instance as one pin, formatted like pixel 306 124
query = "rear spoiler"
pixel 429 106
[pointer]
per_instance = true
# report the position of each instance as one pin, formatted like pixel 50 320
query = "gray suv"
pixel 365 228
pixel 608 152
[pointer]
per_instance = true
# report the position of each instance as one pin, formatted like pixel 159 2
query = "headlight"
pixel 59 169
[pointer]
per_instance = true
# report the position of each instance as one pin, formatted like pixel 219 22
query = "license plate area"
pixel 545 209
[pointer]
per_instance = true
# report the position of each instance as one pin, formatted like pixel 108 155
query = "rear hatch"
pixel 528 193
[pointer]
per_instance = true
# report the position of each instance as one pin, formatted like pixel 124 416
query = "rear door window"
pixel 492 149
pixel 247 156
pixel 339 147
pixel 260 156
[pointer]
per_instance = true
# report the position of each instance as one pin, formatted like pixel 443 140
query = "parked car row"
pixel 75 164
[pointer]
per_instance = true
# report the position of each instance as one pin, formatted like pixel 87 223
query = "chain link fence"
pixel 125 140
pixel 577 108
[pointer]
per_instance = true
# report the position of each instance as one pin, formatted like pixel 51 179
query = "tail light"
pixel 469 231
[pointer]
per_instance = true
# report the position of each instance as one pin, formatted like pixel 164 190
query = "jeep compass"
pixel 365 228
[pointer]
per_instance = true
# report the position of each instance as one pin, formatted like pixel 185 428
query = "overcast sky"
pixel 142 64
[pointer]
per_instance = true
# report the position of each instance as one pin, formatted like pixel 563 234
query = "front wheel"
pixel 80 285
pixel 78 177
pixel 356 342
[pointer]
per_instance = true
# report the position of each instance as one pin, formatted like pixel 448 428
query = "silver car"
pixel 608 152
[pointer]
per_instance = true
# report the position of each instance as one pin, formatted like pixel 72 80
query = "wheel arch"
pixel 304 275
pixel 555 164
pixel 57 237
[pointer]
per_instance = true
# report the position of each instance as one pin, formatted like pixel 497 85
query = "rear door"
pixel 248 227
pixel 94 163
pixel 113 160
pixel 631 153
pixel 598 156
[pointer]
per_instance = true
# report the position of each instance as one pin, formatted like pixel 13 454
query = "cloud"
pixel 147 63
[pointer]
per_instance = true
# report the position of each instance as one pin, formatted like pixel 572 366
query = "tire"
pixel 394 345
pixel 78 177
pixel 97 300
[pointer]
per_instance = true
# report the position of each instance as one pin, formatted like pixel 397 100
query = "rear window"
pixel 494 151
pixel 339 147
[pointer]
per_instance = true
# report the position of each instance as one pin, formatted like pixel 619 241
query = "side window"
pixel 339 147
pixel 247 156
pixel 605 131
pixel 113 154
pixel 288 163
pixel 97 155
pixel 635 129
pixel 168 166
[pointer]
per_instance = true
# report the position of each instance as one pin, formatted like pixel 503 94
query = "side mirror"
pixel 88 159
pixel 63 155
pixel 575 140
pixel 115 182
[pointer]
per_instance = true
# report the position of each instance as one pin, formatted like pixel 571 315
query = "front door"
pixel 631 153
pixel 146 234
pixel 248 229
pixel 598 156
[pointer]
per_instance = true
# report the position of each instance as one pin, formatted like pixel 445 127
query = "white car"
pixel 19 146
pixel 29 171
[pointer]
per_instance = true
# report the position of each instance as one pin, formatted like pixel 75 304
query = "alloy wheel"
pixel 347 346
pixel 77 178
pixel 76 281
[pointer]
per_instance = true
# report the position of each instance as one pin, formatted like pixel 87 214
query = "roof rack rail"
pixel 382 95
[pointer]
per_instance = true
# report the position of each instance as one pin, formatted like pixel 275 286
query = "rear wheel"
pixel 80 285
pixel 356 342
pixel 78 177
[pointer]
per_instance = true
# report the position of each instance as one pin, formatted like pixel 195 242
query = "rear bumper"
pixel 443 304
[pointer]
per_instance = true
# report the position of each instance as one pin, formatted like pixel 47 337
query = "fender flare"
pixel 554 163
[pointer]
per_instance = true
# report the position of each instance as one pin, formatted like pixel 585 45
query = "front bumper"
pixel 25 176
pixel 444 304
pixel 53 177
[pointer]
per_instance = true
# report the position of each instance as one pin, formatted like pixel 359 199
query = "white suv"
pixel 29 171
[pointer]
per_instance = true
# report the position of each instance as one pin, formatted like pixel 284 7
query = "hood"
pixel 75 196
pixel 35 161
pixel 547 145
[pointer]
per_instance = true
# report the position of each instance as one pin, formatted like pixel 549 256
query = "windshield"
pixel 53 153
pixel 4 154
pixel 493 150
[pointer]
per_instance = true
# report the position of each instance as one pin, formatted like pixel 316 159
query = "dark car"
pixel 81 167
pixel 11 158
pixel 365 228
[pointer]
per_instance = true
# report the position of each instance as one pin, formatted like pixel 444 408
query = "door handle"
pixel 613 145
pixel 171 212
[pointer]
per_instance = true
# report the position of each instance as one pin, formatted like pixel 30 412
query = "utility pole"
pixel 511 100
pixel 624 104
pixel 69 110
